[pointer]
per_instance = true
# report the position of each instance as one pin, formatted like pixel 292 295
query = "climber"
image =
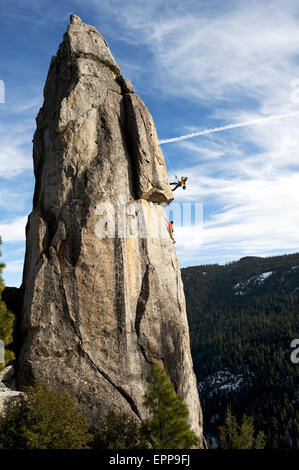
pixel 182 182
pixel 170 228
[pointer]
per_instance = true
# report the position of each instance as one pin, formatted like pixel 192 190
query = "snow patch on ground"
pixel 221 380
pixel 288 272
pixel 254 280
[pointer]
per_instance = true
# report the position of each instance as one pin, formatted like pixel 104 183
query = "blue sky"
pixel 197 65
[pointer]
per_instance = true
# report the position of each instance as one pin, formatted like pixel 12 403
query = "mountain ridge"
pixel 241 343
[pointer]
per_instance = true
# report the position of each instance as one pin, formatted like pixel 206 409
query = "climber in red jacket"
pixel 170 228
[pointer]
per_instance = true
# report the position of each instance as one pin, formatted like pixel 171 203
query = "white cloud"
pixel 248 179
pixel 12 200
pixel 218 53
pixel 250 207
pixel 240 61
pixel 14 266
pixel 13 231
pixel 13 161
pixel 17 125
pixel 260 120
pixel 15 150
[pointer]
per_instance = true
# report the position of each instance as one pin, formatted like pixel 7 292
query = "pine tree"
pixel 260 440
pixel 119 431
pixel 235 436
pixel 246 436
pixel 168 427
pixel 44 418
pixel 6 321
pixel 229 431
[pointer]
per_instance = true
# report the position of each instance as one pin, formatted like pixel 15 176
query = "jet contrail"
pixel 229 126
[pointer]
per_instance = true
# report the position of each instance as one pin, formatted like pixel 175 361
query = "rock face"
pixel 103 295
pixel 8 394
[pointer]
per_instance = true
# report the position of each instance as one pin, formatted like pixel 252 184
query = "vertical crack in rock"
pixel 140 309
pixel 119 282
pixel 128 144
pixel 100 304
pixel 142 300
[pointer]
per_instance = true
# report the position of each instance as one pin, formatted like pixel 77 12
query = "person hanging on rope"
pixel 170 228
pixel 181 183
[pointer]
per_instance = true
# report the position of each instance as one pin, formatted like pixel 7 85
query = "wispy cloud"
pixel 228 126
pixel 13 201
pixel 241 62
pixel 14 266
pixel 13 231
pixel 15 146
pixel 234 65
pixel 210 55
pixel 250 202
pixel 13 160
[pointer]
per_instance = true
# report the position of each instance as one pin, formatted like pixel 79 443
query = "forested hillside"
pixel 243 317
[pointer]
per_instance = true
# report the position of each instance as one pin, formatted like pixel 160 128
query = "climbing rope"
pixel 170 164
